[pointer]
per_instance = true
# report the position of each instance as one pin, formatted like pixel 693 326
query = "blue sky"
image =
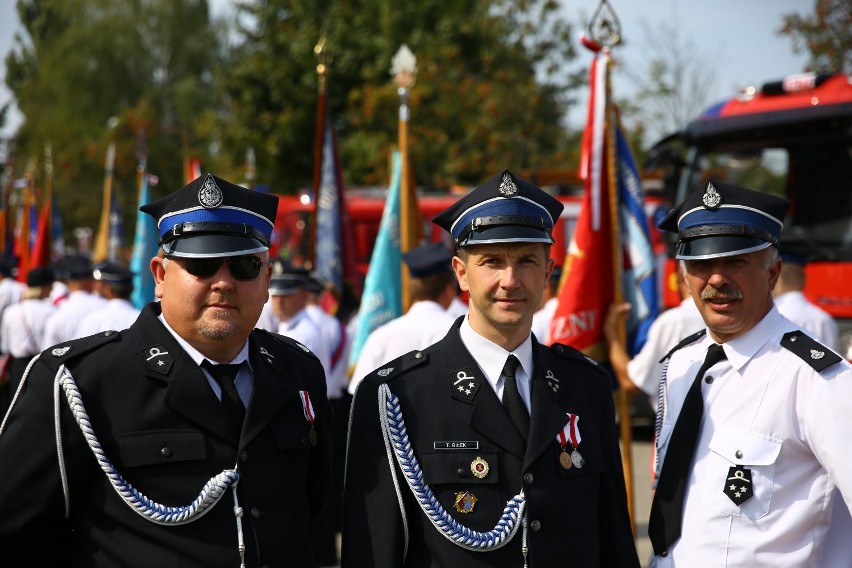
pixel 740 33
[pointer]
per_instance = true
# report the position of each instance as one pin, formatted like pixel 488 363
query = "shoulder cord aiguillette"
pixel 397 443
pixel 210 494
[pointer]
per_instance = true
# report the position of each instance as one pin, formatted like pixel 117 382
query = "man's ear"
pixel 460 268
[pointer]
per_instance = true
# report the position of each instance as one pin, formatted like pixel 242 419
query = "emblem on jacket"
pixel 158 359
pixel 465 384
pixel 479 468
pixel 738 486
pixel 60 351
pixel 552 381
pixel 384 372
pixel 465 501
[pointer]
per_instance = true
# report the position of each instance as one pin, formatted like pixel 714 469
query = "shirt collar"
pixel 196 355
pixel 740 351
pixel 490 356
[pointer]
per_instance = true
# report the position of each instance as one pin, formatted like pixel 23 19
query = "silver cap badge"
pixel 507 186
pixel 711 197
pixel 210 196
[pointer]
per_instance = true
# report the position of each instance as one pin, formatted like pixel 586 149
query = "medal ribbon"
pixel 307 407
pixel 573 424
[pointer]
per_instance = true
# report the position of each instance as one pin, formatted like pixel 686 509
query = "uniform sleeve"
pixel 618 548
pixel 372 524
pixel 319 480
pixel 32 506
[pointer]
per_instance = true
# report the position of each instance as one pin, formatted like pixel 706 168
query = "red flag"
pixel 43 246
pixel 588 280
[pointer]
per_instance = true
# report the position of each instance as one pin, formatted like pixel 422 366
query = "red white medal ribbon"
pixel 307 407
pixel 570 432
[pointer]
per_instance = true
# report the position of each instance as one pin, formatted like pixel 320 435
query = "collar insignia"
pixel 464 384
pixel 552 381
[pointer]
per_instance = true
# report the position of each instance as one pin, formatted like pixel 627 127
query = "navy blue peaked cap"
pixel 504 209
pixel 212 217
pixel 73 268
pixel 428 259
pixel 112 273
pixel 287 279
pixel 725 220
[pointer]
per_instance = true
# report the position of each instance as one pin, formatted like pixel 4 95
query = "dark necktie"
pixel 512 400
pixel 664 526
pixel 224 375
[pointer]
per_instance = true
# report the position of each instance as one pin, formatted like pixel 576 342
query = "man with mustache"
pixel 189 439
pixel 755 415
pixel 489 448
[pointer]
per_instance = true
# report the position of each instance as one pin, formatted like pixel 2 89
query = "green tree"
pixel 490 90
pixel 826 34
pixel 147 63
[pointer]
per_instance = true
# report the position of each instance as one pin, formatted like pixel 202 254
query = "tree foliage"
pixel 825 34
pixel 488 90
pixel 86 61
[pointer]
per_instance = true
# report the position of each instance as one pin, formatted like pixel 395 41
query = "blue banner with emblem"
pixel 639 278
pixel 144 247
pixel 382 297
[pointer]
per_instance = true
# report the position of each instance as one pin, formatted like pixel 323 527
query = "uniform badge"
pixel 384 372
pixel 711 197
pixel 817 355
pixel 552 381
pixel 60 351
pixel 507 186
pixel 158 359
pixel 210 196
pixel 310 417
pixel 738 486
pixel 570 436
pixel 464 384
pixel 479 468
pixel 465 501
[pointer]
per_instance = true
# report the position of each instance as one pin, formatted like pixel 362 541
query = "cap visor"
pixel 718 246
pixel 212 245
pixel 507 234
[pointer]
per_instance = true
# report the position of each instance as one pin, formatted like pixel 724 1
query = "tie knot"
pixel 715 353
pixel 511 366
pixel 222 374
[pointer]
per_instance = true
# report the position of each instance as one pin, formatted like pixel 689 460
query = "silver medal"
pixel 577 459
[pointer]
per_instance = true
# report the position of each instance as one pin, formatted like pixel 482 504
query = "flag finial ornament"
pixel 711 197
pixel 404 67
pixel 604 26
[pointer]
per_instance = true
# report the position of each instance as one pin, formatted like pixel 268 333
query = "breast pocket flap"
pixel 160 446
pixel 742 447
pixel 477 467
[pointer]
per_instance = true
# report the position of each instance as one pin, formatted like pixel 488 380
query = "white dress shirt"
pixel 116 314
pixel 811 318
pixel 770 412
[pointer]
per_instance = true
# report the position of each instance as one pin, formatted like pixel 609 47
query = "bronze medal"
pixel 577 459
pixel 565 460
pixel 312 436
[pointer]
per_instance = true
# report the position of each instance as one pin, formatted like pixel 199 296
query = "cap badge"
pixel 507 186
pixel 210 196
pixel 465 500
pixel 711 197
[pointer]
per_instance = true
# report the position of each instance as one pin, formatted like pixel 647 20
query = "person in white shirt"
pixel 288 298
pixel 11 292
pixel 433 286
pixel 755 413
pixel 115 283
pixel 23 324
pixel 541 319
pixel 792 303
pixel 62 326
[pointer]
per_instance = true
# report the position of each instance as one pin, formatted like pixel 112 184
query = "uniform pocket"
pixel 475 501
pixel 152 447
pixel 731 447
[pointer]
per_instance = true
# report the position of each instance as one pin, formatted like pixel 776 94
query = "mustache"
pixel 724 294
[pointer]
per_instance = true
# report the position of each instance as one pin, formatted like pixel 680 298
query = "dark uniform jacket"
pixel 161 425
pixel 577 517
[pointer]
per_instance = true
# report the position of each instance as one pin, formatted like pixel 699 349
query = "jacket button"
pixel 166 452
pixel 528 478
pixel 461 472
pixel 244 456
pixel 739 454
pixel 255 513
pixel 664 553
pixel 535 526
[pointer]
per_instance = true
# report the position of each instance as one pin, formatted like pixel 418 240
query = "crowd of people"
pixel 456 440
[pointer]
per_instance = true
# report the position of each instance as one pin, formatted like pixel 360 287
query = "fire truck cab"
pixel 792 138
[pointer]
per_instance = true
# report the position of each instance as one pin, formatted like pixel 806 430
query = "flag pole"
pixel 101 251
pixel 404 69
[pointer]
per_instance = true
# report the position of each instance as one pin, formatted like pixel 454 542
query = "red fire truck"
pixel 793 138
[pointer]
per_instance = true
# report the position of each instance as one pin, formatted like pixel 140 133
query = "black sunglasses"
pixel 241 267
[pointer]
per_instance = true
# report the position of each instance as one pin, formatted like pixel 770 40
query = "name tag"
pixel 455 445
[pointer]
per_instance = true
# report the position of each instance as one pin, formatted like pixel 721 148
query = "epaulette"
pixel 684 342
pixel 62 353
pixel 289 342
pixel 568 352
pixel 810 350
pixel 399 365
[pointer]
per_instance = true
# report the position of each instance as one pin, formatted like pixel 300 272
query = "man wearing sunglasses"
pixel 125 448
